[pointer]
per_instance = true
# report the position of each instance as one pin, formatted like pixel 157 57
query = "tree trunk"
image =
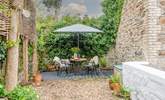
pixel 13 53
pixel 35 54
pixel 25 59
pixel 35 57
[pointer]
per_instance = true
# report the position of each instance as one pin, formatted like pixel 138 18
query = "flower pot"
pixel 125 97
pixel 116 87
pixel 38 79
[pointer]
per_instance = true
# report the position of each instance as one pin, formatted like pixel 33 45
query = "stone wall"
pixel 141 34
pixel 146 83
pixel 132 28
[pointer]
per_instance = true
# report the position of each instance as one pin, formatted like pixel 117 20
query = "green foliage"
pixel 4 8
pixel 125 92
pixel 52 3
pixel 75 50
pixel 115 78
pixel 23 93
pixel 112 13
pixel 102 61
pixel 2 91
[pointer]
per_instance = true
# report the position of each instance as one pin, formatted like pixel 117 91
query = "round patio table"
pixel 77 62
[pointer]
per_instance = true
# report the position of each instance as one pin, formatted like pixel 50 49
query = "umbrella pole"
pixel 78 43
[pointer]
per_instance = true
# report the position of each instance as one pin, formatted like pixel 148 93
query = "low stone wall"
pixel 145 82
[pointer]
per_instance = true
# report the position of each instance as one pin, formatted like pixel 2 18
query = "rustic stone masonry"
pixel 141 34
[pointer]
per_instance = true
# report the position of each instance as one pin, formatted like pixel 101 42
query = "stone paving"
pixel 78 89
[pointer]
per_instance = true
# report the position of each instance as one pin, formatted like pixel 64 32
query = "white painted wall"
pixel 145 82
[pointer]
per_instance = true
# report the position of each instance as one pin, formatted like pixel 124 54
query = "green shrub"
pixel 23 93
pixel 2 91
pixel 103 62
pixel 115 78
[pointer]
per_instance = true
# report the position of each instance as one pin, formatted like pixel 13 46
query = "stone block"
pixel 162 53
pixel 162 20
pixel 162 2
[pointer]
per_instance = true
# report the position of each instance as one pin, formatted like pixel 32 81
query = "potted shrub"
pixel 125 93
pixel 2 93
pixel 75 51
pixel 114 83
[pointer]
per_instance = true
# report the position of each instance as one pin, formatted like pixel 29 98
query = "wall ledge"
pixel 144 66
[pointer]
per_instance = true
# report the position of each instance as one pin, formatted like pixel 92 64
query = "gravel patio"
pixel 78 89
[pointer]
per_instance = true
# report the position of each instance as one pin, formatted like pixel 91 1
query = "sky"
pixel 72 7
pixel 82 7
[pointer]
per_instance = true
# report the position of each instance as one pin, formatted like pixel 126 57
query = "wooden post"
pixel 25 59
pixel 35 57
pixel 13 52
pixel 11 78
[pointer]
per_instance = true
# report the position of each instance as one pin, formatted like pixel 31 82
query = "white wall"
pixel 146 83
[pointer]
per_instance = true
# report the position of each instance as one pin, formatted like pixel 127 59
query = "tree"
pixel 25 47
pixel 110 20
pixel 13 46
pixel 56 4
pixel 35 41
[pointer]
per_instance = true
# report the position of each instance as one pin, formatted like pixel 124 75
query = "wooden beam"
pixel 25 60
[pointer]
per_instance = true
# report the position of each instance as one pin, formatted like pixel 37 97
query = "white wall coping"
pixel 143 66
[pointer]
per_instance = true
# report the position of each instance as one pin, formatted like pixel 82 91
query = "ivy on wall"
pixel 111 19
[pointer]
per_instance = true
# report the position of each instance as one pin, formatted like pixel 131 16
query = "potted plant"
pixel 38 79
pixel 125 93
pixel 114 83
pixel 103 62
pixel 75 51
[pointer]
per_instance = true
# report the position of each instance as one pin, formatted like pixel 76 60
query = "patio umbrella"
pixel 78 28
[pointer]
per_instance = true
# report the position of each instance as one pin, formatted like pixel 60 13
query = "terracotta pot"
pixel 37 79
pixel 116 87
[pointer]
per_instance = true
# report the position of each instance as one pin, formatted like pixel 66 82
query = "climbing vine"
pixel 11 43
pixel 112 13
pixel 4 8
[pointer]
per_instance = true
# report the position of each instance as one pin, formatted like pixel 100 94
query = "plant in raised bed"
pixel 103 62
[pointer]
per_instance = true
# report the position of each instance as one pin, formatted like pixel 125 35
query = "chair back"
pixel 95 60
pixel 57 60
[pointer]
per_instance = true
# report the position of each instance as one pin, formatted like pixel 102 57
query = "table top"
pixel 78 59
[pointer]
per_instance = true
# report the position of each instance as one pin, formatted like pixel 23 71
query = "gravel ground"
pixel 84 89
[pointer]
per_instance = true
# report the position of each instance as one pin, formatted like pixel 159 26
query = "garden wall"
pixel 146 83
pixel 141 35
